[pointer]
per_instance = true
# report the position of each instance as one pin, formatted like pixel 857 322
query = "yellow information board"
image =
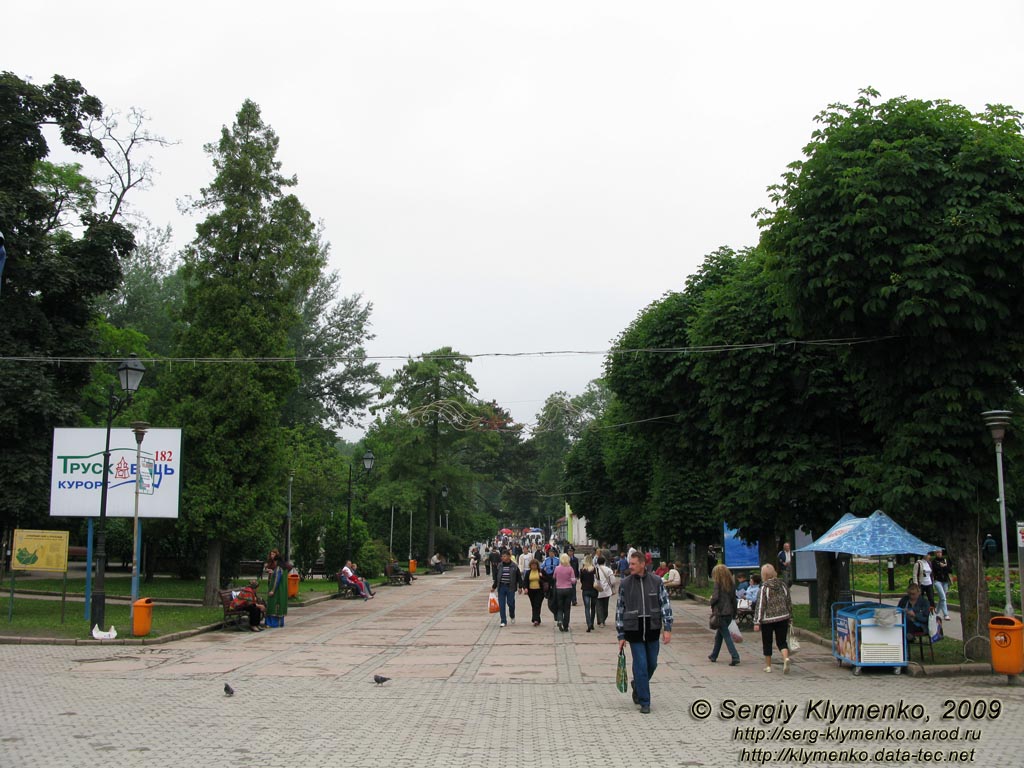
pixel 40 551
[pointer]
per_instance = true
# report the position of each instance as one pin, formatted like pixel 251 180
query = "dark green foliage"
pixel 51 279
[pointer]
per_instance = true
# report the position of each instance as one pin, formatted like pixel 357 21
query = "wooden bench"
pixel 678 591
pixel 397 578
pixel 237 617
pixel 347 591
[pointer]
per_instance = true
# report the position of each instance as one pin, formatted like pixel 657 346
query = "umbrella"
pixel 875 536
pixel 506 531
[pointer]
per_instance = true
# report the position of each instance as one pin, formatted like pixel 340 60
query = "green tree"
pixel 436 435
pixel 52 277
pixel 255 257
pixel 903 225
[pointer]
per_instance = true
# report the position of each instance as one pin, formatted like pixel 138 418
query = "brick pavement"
pixel 463 690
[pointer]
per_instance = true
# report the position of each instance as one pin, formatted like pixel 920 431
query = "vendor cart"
pixel 869 635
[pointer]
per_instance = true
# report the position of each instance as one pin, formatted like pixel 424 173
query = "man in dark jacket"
pixel 506 580
pixel 642 612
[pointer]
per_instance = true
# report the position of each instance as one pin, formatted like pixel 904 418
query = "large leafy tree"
pixel 255 258
pixel 437 434
pixel 904 225
pixel 51 278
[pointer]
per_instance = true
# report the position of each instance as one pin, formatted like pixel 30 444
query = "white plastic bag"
pixel 791 642
pixel 934 627
pixel 734 631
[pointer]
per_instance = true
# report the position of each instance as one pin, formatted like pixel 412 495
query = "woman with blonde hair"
pixel 565 580
pixel 589 582
pixel 723 607
pixel 772 616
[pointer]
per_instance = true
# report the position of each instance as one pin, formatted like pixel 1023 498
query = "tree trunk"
pixel 431 512
pixel 827 566
pixel 211 598
pixel 964 553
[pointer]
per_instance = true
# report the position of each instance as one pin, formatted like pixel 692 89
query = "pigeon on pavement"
pixel 380 679
pixel 228 690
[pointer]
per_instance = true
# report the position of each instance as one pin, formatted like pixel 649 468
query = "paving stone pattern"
pixel 464 692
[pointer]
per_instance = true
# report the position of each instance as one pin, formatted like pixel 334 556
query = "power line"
pixel 337 359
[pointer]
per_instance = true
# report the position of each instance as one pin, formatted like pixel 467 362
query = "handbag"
pixel 791 642
pixel 492 603
pixel 934 627
pixel 715 621
pixel 621 677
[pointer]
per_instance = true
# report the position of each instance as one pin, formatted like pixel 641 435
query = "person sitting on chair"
pixel 672 578
pixel 915 606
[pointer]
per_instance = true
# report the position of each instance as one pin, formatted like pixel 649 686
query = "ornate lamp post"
pixel 130 373
pixel 368 460
pixel 997 422
pixel 288 533
pixel 139 428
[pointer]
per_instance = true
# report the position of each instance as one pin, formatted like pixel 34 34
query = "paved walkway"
pixel 465 692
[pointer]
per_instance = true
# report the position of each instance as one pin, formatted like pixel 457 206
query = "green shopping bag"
pixel 621 678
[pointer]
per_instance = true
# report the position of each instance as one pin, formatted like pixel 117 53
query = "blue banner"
pixel 739 554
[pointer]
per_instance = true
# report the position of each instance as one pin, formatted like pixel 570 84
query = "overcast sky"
pixel 511 177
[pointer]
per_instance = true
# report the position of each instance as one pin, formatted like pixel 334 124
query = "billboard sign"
pixel 77 469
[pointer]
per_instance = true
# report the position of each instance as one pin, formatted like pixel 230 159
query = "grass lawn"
pixel 161 588
pixel 41 618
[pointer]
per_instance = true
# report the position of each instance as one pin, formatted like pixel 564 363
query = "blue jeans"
pixel 645 661
pixel 590 606
pixel 943 607
pixel 723 634
pixel 506 596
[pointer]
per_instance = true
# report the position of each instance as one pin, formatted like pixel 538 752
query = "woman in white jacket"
pixel 606 578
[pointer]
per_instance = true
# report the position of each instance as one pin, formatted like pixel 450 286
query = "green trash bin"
pixel 142 616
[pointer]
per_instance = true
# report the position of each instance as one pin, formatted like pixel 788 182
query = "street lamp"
pixel 288 533
pixel 997 422
pixel 444 495
pixel 130 373
pixel 368 460
pixel 139 428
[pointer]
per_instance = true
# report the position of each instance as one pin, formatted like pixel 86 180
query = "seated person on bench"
pixel 396 570
pixel 246 599
pixel 437 563
pixel 754 589
pixel 347 578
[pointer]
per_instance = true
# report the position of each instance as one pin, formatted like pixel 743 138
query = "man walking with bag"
pixel 507 580
pixel 642 612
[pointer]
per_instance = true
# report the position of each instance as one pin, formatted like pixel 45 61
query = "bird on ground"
pixel 380 679
pixel 228 690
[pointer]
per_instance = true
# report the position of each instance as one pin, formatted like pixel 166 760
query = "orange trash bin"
pixel 293 585
pixel 412 566
pixel 142 616
pixel 1006 636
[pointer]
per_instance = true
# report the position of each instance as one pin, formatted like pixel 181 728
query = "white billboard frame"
pixel 76 473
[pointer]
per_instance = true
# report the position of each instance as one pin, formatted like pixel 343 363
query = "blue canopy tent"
pixel 874 536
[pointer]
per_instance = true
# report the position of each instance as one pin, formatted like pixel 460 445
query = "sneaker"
pixel 946 618
pixel 502 624
pixel 645 709
pixel 513 619
pixel 785 666
pixel 734 663
pixel 766 669
pixel 712 659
